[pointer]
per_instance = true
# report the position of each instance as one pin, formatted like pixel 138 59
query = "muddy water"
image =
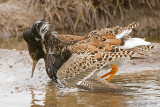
pixel 17 89
pixel 12 43
pixel 147 94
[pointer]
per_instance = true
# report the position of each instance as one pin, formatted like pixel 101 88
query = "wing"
pixel 143 50
pixel 80 70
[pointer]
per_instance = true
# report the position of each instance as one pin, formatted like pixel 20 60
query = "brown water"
pixel 147 94
pixel 17 89
pixel 12 43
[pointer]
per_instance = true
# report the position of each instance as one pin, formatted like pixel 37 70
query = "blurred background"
pixel 77 17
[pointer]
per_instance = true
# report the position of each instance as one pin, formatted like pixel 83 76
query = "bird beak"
pixel 33 67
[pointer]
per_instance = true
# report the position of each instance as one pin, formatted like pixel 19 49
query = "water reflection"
pixel 148 88
pixel 83 99
pixel 147 94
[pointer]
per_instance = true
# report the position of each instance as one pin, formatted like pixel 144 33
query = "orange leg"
pixel 111 73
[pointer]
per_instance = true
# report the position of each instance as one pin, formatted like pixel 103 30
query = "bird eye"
pixel 32 54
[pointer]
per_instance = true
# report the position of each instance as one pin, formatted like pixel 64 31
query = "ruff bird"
pixel 74 61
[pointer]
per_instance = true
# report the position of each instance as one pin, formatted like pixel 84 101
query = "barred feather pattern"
pixel 116 30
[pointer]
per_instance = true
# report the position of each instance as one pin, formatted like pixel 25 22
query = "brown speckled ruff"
pixel 89 55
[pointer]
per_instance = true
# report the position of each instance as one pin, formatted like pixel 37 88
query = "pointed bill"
pixel 33 67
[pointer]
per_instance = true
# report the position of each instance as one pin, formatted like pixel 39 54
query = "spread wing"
pixel 81 68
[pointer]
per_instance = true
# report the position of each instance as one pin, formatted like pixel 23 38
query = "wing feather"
pixel 97 84
pixel 78 70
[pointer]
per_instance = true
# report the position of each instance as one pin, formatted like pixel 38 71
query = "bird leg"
pixel 111 73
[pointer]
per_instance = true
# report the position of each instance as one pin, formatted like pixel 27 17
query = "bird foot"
pixel 111 73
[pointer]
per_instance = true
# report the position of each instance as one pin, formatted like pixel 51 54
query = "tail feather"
pixel 133 42
pixel 123 33
pixel 143 50
pixel 126 30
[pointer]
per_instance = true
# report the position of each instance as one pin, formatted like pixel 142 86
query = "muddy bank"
pixel 92 14
pixel 15 83
pixel 16 70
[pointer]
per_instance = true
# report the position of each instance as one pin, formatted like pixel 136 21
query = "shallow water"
pixel 147 94
pixel 17 89
pixel 13 43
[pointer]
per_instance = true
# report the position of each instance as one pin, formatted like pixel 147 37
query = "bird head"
pixel 34 37
pixel 39 38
